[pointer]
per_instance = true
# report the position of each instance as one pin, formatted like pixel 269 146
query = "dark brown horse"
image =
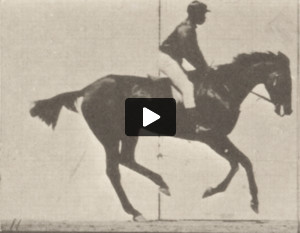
pixel 218 97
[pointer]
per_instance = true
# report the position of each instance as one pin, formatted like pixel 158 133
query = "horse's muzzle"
pixel 288 109
pixel 283 109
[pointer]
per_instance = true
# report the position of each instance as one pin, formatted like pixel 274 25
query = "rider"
pixel 182 43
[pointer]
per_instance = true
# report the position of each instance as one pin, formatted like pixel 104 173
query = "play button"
pixel 149 117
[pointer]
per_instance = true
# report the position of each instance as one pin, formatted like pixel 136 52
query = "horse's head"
pixel 278 83
pixel 244 73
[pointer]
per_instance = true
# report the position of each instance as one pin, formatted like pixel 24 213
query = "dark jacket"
pixel 182 43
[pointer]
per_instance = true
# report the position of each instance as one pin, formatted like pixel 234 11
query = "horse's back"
pixel 126 86
pixel 103 104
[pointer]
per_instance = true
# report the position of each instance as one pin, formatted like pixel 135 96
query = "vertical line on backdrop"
pixel 297 111
pixel 158 144
pixel 159 25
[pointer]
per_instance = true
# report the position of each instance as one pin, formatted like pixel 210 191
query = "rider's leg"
pixel 171 68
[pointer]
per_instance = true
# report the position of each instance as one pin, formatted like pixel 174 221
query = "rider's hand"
pixel 209 69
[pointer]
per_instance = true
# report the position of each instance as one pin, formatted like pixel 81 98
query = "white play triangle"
pixel 149 117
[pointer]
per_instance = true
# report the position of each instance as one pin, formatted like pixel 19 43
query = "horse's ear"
pixel 283 57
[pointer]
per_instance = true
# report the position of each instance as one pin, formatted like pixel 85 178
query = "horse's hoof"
pixel 208 192
pixel 254 207
pixel 165 191
pixel 139 218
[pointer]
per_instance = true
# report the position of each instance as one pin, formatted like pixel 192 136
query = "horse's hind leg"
pixel 128 160
pixel 113 173
pixel 219 145
pixel 108 135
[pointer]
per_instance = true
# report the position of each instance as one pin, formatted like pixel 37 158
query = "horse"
pixel 218 97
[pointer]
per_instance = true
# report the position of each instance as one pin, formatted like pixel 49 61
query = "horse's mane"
pixel 243 60
pixel 246 59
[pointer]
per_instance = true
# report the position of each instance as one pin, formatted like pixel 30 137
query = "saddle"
pixel 175 92
pixel 192 75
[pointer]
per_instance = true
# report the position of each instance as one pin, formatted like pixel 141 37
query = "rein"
pixel 254 93
pixel 261 96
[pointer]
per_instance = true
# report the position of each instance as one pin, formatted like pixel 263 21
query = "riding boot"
pixel 194 120
pixel 192 114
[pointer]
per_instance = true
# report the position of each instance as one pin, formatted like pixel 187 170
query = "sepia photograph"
pixel 149 116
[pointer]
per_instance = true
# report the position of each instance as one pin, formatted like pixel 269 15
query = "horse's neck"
pixel 240 86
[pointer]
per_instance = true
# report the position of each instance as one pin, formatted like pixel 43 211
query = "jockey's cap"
pixel 197 7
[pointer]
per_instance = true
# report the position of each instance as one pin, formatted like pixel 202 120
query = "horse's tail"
pixel 48 110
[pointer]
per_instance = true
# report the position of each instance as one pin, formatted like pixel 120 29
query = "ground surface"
pixel 202 226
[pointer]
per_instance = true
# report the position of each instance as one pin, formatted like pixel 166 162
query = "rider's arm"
pixel 190 48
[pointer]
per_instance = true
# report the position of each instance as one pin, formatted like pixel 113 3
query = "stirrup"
pixel 201 128
pixel 155 77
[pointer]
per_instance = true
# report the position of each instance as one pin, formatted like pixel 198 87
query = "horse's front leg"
pixel 219 145
pixel 224 147
pixel 246 163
